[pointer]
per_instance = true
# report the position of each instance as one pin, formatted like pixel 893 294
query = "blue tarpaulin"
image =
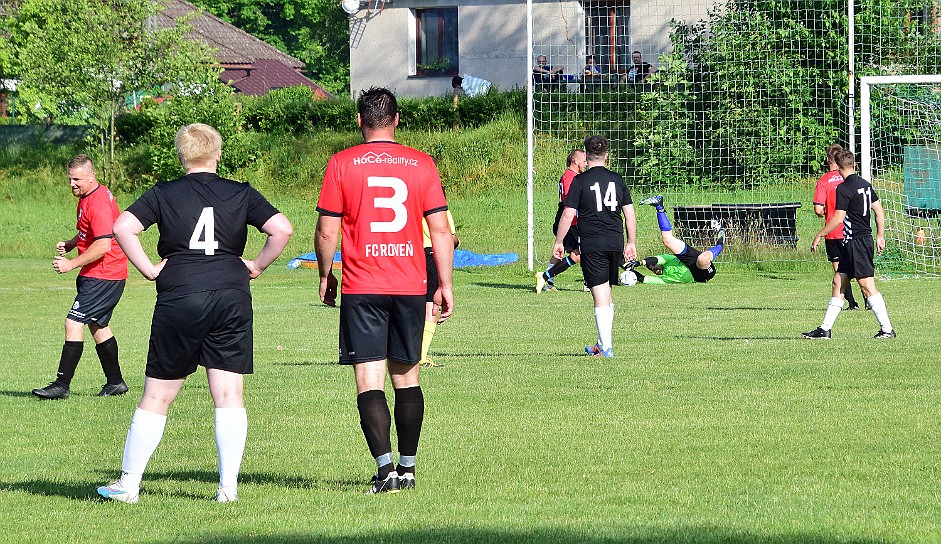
pixel 462 259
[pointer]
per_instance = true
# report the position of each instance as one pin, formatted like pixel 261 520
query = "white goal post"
pixel 900 137
pixel 865 120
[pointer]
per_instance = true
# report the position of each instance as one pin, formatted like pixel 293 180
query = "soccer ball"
pixel 628 278
pixel 350 6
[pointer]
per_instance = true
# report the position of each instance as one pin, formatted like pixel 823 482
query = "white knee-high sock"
pixel 833 310
pixel 604 320
pixel 142 440
pixel 231 432
pixel 877 303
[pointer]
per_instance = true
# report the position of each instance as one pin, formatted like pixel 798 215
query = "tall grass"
pixel 483 170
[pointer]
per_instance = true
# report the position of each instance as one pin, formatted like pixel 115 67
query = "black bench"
pixel 773 224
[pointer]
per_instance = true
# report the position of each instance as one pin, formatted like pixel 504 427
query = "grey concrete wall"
pixel 650 24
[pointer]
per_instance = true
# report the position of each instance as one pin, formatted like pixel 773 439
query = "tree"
pixel 316 32
pixel 78 60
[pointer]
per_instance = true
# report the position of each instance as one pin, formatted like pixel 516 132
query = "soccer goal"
pixel 726 108
pixel 900 137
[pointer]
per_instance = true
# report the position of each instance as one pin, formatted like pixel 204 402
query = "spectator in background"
pixel 456 88
pixel 544 75
pixel 591 69
pixel 639 71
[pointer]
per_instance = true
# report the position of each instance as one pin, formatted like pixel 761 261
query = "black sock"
pixel 640 277
pixel 848 295
pixel 108 355
pixel 376 421
pixel 558 268
pixel 409 414
pixel 383 472
pixel 404 470
pixel 71 355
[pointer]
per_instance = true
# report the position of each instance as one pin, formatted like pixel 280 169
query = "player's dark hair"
pixel 81 161
pixel 377 107
pixel 595 147
pixel 571 158
pixel 832 150
pixel 456 81
pixel 845 159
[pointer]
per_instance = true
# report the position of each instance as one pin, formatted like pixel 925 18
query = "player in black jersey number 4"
pixel 203 314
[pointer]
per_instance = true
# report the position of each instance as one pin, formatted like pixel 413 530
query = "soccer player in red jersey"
pixel 99 284
pixel 376 193
pixel 824 206
pixel 574 164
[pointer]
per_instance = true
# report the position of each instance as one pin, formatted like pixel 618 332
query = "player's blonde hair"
pixel 197 145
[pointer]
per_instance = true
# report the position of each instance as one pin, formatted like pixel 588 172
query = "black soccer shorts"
pixel 856 260
pixel 570 241
pixel 834 247
pixel 431 271
pixel 599 267
pixel 95 300
pixel 689 256
pixel 211 329
pixel 378 327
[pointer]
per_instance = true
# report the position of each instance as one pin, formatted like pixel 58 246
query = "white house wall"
pixel 492 40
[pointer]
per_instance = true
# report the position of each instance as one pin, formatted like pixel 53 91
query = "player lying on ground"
pixel 686 265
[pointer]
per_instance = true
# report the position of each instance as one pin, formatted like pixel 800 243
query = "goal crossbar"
pixel 865 111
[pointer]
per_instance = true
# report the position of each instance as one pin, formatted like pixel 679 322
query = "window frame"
pixel 443 39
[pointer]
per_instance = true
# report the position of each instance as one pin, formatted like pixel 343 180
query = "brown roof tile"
pixel 269 74
pixel 233 45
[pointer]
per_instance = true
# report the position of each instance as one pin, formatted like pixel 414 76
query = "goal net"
pixel 900 125
pixel 726 108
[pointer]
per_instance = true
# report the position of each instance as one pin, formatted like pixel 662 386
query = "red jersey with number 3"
pixel 382 190
pixel 825 195
pixel 95 220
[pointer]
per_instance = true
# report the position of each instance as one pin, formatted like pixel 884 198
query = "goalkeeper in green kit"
pixel 684 265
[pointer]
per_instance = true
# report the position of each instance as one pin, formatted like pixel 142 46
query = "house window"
pixel 436 42
pixel 607 33
pixel 923 19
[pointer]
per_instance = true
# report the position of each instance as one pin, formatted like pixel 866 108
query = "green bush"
pixel 284 111
pixel 339 114
pixel 214 106
pixel 477 111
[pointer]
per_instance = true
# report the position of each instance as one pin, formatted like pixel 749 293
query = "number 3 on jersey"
pixel 394 203
pixel 204 234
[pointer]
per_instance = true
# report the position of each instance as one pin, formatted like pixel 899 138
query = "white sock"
pixel 833 310
pixel 604 320
pixel 231 432
pixel 877 303
pixel 142 440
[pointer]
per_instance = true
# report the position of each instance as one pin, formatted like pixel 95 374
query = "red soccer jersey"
pixel 825 195
pixel 564 183
pixel 382 190
pixel 96 214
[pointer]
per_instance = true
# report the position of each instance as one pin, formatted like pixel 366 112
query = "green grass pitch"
pixel 716 422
